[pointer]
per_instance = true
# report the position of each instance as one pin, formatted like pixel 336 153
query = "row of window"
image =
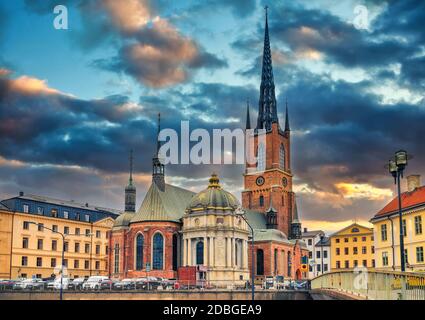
pixel 418 228
pixel 261 157
pixel 355 239
pixel 77 231
pixel 54 246
pixel 318 254
pixel 54 213
pixel 419 256
pixel 157 252
pixel 287 261
pixel 347 264
pixel 355 250
pixel 53 263
pixel 319 267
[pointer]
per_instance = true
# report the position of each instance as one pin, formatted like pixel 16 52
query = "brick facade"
pixel 127 240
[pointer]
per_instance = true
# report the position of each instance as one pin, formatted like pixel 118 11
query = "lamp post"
pixel 242 214
pixel 63 251
pixel 396 167
pixel 321 252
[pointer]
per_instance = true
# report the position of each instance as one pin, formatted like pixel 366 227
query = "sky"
pixel 74 101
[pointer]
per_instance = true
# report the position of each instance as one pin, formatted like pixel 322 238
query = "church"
pixel 175 228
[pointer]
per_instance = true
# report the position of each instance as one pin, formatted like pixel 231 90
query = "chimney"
pixel 413 182
pixel 305 229
pixel 21 193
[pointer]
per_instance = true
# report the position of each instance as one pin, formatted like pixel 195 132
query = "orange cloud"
pixel 332 226
pixel 363 190
pixel 4 72
pixel 31 85
pixel 129 15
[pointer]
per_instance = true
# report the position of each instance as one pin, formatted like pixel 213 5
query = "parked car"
pixel 300 285
pixel 125 284
pixel 93 283
pixel 107 284
pixel 56 284
pixel 148 283
pixel 30 284
pixel 76 284
pixel 7 284
pixel 168 283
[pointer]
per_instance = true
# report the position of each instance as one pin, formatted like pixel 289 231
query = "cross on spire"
pixel 131 167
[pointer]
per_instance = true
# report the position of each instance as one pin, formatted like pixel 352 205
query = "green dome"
pixel 213 198
pixel 123 220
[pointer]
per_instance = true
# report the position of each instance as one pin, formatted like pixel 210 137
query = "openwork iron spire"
pixel 248 118
pixel 267 112
pixel 130 180
pixel 158 170
pixel 287 118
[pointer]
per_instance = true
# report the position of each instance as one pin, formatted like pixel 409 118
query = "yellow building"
pixel 387 230
pixel 29 249
pixel 352 247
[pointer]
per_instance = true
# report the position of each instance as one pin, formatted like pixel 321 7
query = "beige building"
pixel 352 246
pixel 215 236
pixel 387 230
pixel 29 249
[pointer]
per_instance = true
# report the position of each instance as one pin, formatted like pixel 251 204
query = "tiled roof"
pixel 256 219
pixel 311 233
pixel 409 200
pixel 324 242
pixel 167 205
pixel 3 207
pixel 67 203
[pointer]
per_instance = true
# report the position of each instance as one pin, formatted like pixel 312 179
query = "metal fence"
pixel 374 285
pixel 178 285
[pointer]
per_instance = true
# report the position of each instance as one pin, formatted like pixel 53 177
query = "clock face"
pixel 260 181
pixel 284 181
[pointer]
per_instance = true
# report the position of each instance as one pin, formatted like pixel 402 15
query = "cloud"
pixel 130 15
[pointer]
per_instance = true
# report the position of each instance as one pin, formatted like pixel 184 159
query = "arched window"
pixel 282 254
pixel 289 263
pixel 261 201
pixel 238 253
pixel 117 258
pixel 175 248
pixel 200 252
pixel 275 261
pixel 282 157
pixel 261 157
pixel 260 262
pixel 158 252
pixel 139 251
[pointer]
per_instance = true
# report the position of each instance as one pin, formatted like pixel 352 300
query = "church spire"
pixel 130 189
pixel 157 167
pixel 287 117
pixel 248 118
pixel 267 111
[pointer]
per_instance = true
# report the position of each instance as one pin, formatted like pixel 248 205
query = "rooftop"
pixel 68 203
pixel 311 233
pixel 409 200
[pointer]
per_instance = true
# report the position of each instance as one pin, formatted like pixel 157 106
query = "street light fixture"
pixel 242 214
pixel 396 167
pixel 40 225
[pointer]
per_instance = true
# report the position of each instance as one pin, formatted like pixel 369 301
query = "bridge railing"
pixel 375 285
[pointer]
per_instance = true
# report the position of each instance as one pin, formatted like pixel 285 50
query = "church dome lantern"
pixel 213 198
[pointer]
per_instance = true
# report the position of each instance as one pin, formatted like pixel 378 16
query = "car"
pixel 93 282
pixel 148 283
pixel 300 285
pixel 7 284
pixel 107 284
pixel 168 283
pixel 56 284
pixel 30 284
pixel 76 284
pixel 125 284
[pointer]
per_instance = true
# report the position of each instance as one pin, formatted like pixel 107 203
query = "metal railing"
pixel 374 285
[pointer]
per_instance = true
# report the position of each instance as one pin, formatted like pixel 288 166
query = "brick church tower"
pixel 268 183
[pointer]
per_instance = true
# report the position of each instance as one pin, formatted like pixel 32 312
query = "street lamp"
pixel 63 251
pixel 321 252
pixel 243 215
pixel 396 167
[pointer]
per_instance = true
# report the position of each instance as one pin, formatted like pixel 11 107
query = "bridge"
pixel 371 285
